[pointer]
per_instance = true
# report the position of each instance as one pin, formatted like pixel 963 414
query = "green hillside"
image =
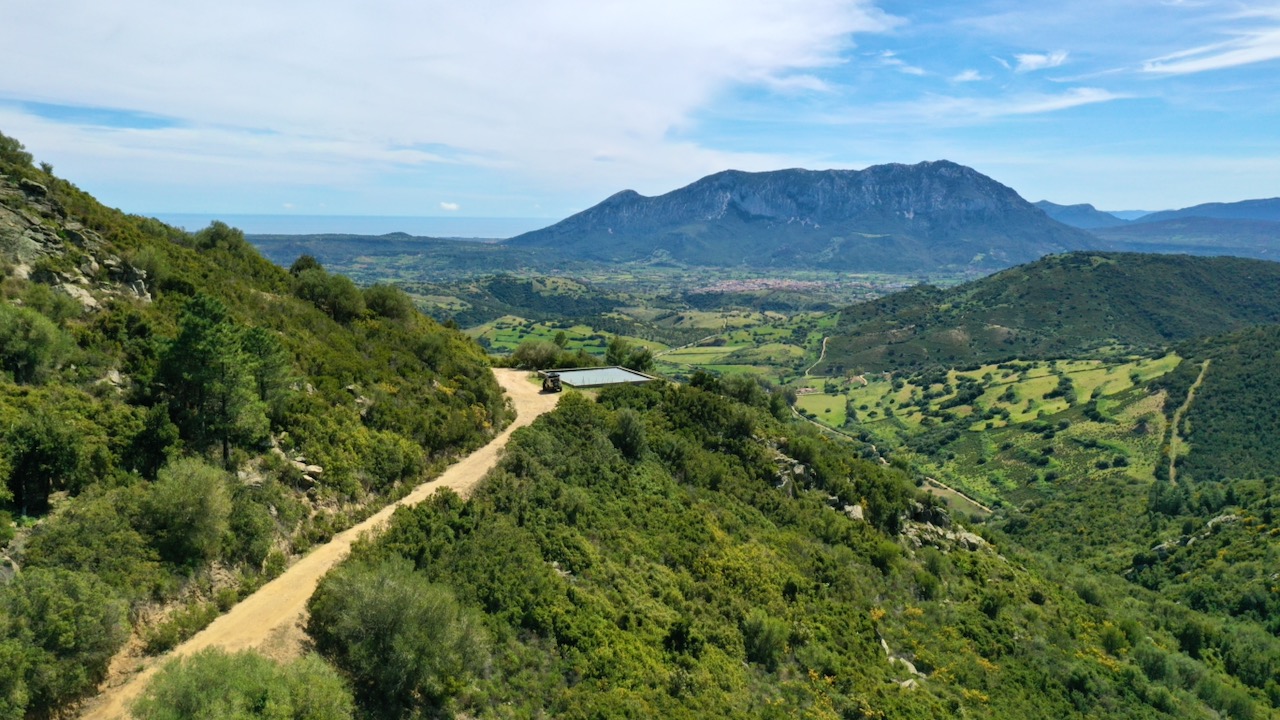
pixel 670 552
pixel 1231 424
pixel 1063 306
pixel 179 416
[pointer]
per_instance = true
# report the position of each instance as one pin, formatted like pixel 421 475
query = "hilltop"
pixel 1059 306
pixel 886 217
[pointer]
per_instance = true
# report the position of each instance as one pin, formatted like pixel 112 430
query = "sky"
pixel 509 108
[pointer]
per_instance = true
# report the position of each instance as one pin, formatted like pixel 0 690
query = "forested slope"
pixel 1072 305
pixel 178 416
pixel 672 552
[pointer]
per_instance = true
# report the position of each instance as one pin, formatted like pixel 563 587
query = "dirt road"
pixel 1175 425
pixel 270 620
pixel 821 356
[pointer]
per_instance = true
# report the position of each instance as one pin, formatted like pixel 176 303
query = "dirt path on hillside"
pixel 821 356
pixel 1175 439
pixel 271 619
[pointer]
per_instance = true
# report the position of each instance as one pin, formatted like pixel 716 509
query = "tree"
pixel 44 455
pixel 96 534
pixel 216 684
pixel 156 443
pixel 221 235
pixel 616 352
pixel 622 353
pixel 206 375
pixel 188 511
pixel 628 434
pixel 764 638
pixel 70 624
pixel 304 263
pixel 388 301
pixel 403 641
pixel 335 295
pixel 535 355
pixel 640 359
pixel 13 153
pixel 30 344
pixel 270 365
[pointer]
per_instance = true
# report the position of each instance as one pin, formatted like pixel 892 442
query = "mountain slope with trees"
pixel 676 551
pixel 178 416
pixel 1061 306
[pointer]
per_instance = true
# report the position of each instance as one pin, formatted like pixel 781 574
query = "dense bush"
pixel 58 631
pixel 216 684
pixel 30 344
pixel 404 642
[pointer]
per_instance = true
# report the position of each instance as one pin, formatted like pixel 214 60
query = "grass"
pixel 995 456
pixel 827 409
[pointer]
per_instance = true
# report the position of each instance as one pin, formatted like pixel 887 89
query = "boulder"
pixel 33 188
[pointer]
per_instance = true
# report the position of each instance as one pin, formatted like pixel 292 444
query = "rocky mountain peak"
pixel 934 213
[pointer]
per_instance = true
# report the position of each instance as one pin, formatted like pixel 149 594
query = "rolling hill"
pixel 887 217
pixel 1060 306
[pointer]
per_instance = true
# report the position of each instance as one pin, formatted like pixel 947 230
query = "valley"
pixel 961 487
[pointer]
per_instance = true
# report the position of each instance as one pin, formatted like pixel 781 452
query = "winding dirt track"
pixel 1175 440
pixel 271 619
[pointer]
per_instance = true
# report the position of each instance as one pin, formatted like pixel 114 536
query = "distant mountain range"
pixel 1083 216
pixel 1250 228
pixel 1060 306
pixel 1196 236
pixel 1087 217
pixel 1266 210
pixel 929 216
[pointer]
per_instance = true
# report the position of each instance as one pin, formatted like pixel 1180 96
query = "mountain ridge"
pixel 1059 306
pixel 885 217
pixel 1267 209
pixel 1082 215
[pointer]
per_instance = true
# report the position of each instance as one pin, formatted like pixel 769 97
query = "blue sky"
pixel 518 109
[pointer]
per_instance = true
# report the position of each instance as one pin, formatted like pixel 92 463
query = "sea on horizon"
pixel 451 227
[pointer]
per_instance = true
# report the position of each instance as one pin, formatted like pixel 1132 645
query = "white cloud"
pixel 450 206
pixel 321 90
pixel 945 110
pixel 889 58
pixel 1030 62
pixel 967 76
pixel 1251 47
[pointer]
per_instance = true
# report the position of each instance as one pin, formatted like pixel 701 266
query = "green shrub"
pixel 404 641
pixel 216 684
pixel 31 345
pixel 764 638
pixel 182 624
pixel 188 512
pixel 69 625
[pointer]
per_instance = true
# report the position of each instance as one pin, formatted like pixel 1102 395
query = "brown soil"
pixel 271 620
